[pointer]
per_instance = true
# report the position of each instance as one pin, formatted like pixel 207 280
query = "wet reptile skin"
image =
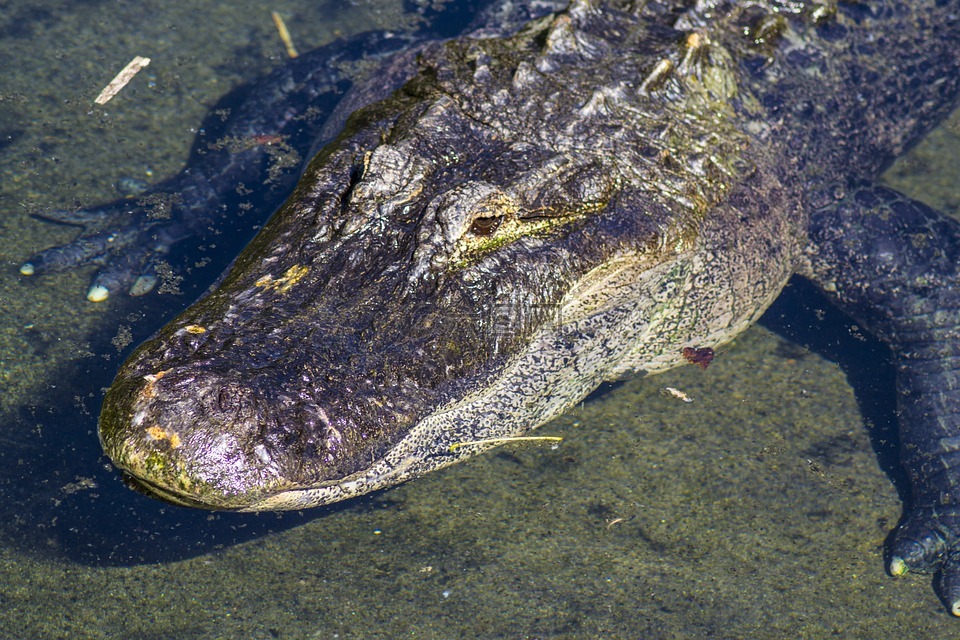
pixel 544 207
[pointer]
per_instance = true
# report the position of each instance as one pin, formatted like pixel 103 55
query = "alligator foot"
pixel 928 541
pixel 271 128
pixel 120 237
pixel 894 264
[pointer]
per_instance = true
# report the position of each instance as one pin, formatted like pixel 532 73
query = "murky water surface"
pixel 757 510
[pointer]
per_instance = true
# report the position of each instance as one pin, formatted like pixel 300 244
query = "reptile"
pixel 493 224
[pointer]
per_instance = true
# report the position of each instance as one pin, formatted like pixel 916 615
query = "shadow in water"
pixel 804 316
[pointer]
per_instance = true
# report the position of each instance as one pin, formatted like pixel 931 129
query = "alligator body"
pixel 543 207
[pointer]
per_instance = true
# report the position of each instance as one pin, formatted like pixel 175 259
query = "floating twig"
pixel 284 34
pixel 676 393
pixel 121 79
pixel 457 445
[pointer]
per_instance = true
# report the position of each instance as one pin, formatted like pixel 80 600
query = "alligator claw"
pixel 950 584
pixel 929 541
pixel 124 273
pixel 923 541
pixel 91 246
pixel 84 250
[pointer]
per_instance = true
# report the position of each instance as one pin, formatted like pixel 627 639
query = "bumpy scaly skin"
pixel 532 214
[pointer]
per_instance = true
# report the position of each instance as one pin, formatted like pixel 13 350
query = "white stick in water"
pixel 122 78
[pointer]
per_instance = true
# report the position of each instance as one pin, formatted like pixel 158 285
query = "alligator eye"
pixel 485 226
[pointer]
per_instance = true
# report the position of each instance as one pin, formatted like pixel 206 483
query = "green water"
pixel 757 510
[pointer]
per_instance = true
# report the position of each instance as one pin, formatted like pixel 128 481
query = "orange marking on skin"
pixel 149 391
pixel 157 433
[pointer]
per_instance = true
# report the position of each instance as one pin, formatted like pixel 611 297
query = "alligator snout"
pixel 211 436
pixel 191 436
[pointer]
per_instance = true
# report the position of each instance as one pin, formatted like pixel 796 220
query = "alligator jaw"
pixel 147 488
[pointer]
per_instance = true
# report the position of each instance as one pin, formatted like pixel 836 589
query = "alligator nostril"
pixel 224 400
pixel 230 398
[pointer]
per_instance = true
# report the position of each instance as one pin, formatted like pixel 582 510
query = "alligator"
pixel 496 223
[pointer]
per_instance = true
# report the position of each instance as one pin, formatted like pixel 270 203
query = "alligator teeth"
pixel 696 47
pixel 657 77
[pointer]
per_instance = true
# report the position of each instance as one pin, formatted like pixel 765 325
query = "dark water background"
pixel 757 510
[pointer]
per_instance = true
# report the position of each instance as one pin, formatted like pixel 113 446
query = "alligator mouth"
pixel 157 492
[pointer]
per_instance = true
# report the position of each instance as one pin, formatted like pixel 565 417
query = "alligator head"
pixel 465 262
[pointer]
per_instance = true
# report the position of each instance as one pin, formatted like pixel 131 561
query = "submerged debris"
pixel 700 356
pixel 121 79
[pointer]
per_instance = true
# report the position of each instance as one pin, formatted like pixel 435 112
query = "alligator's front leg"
pixel 894 265
pixel 255 160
